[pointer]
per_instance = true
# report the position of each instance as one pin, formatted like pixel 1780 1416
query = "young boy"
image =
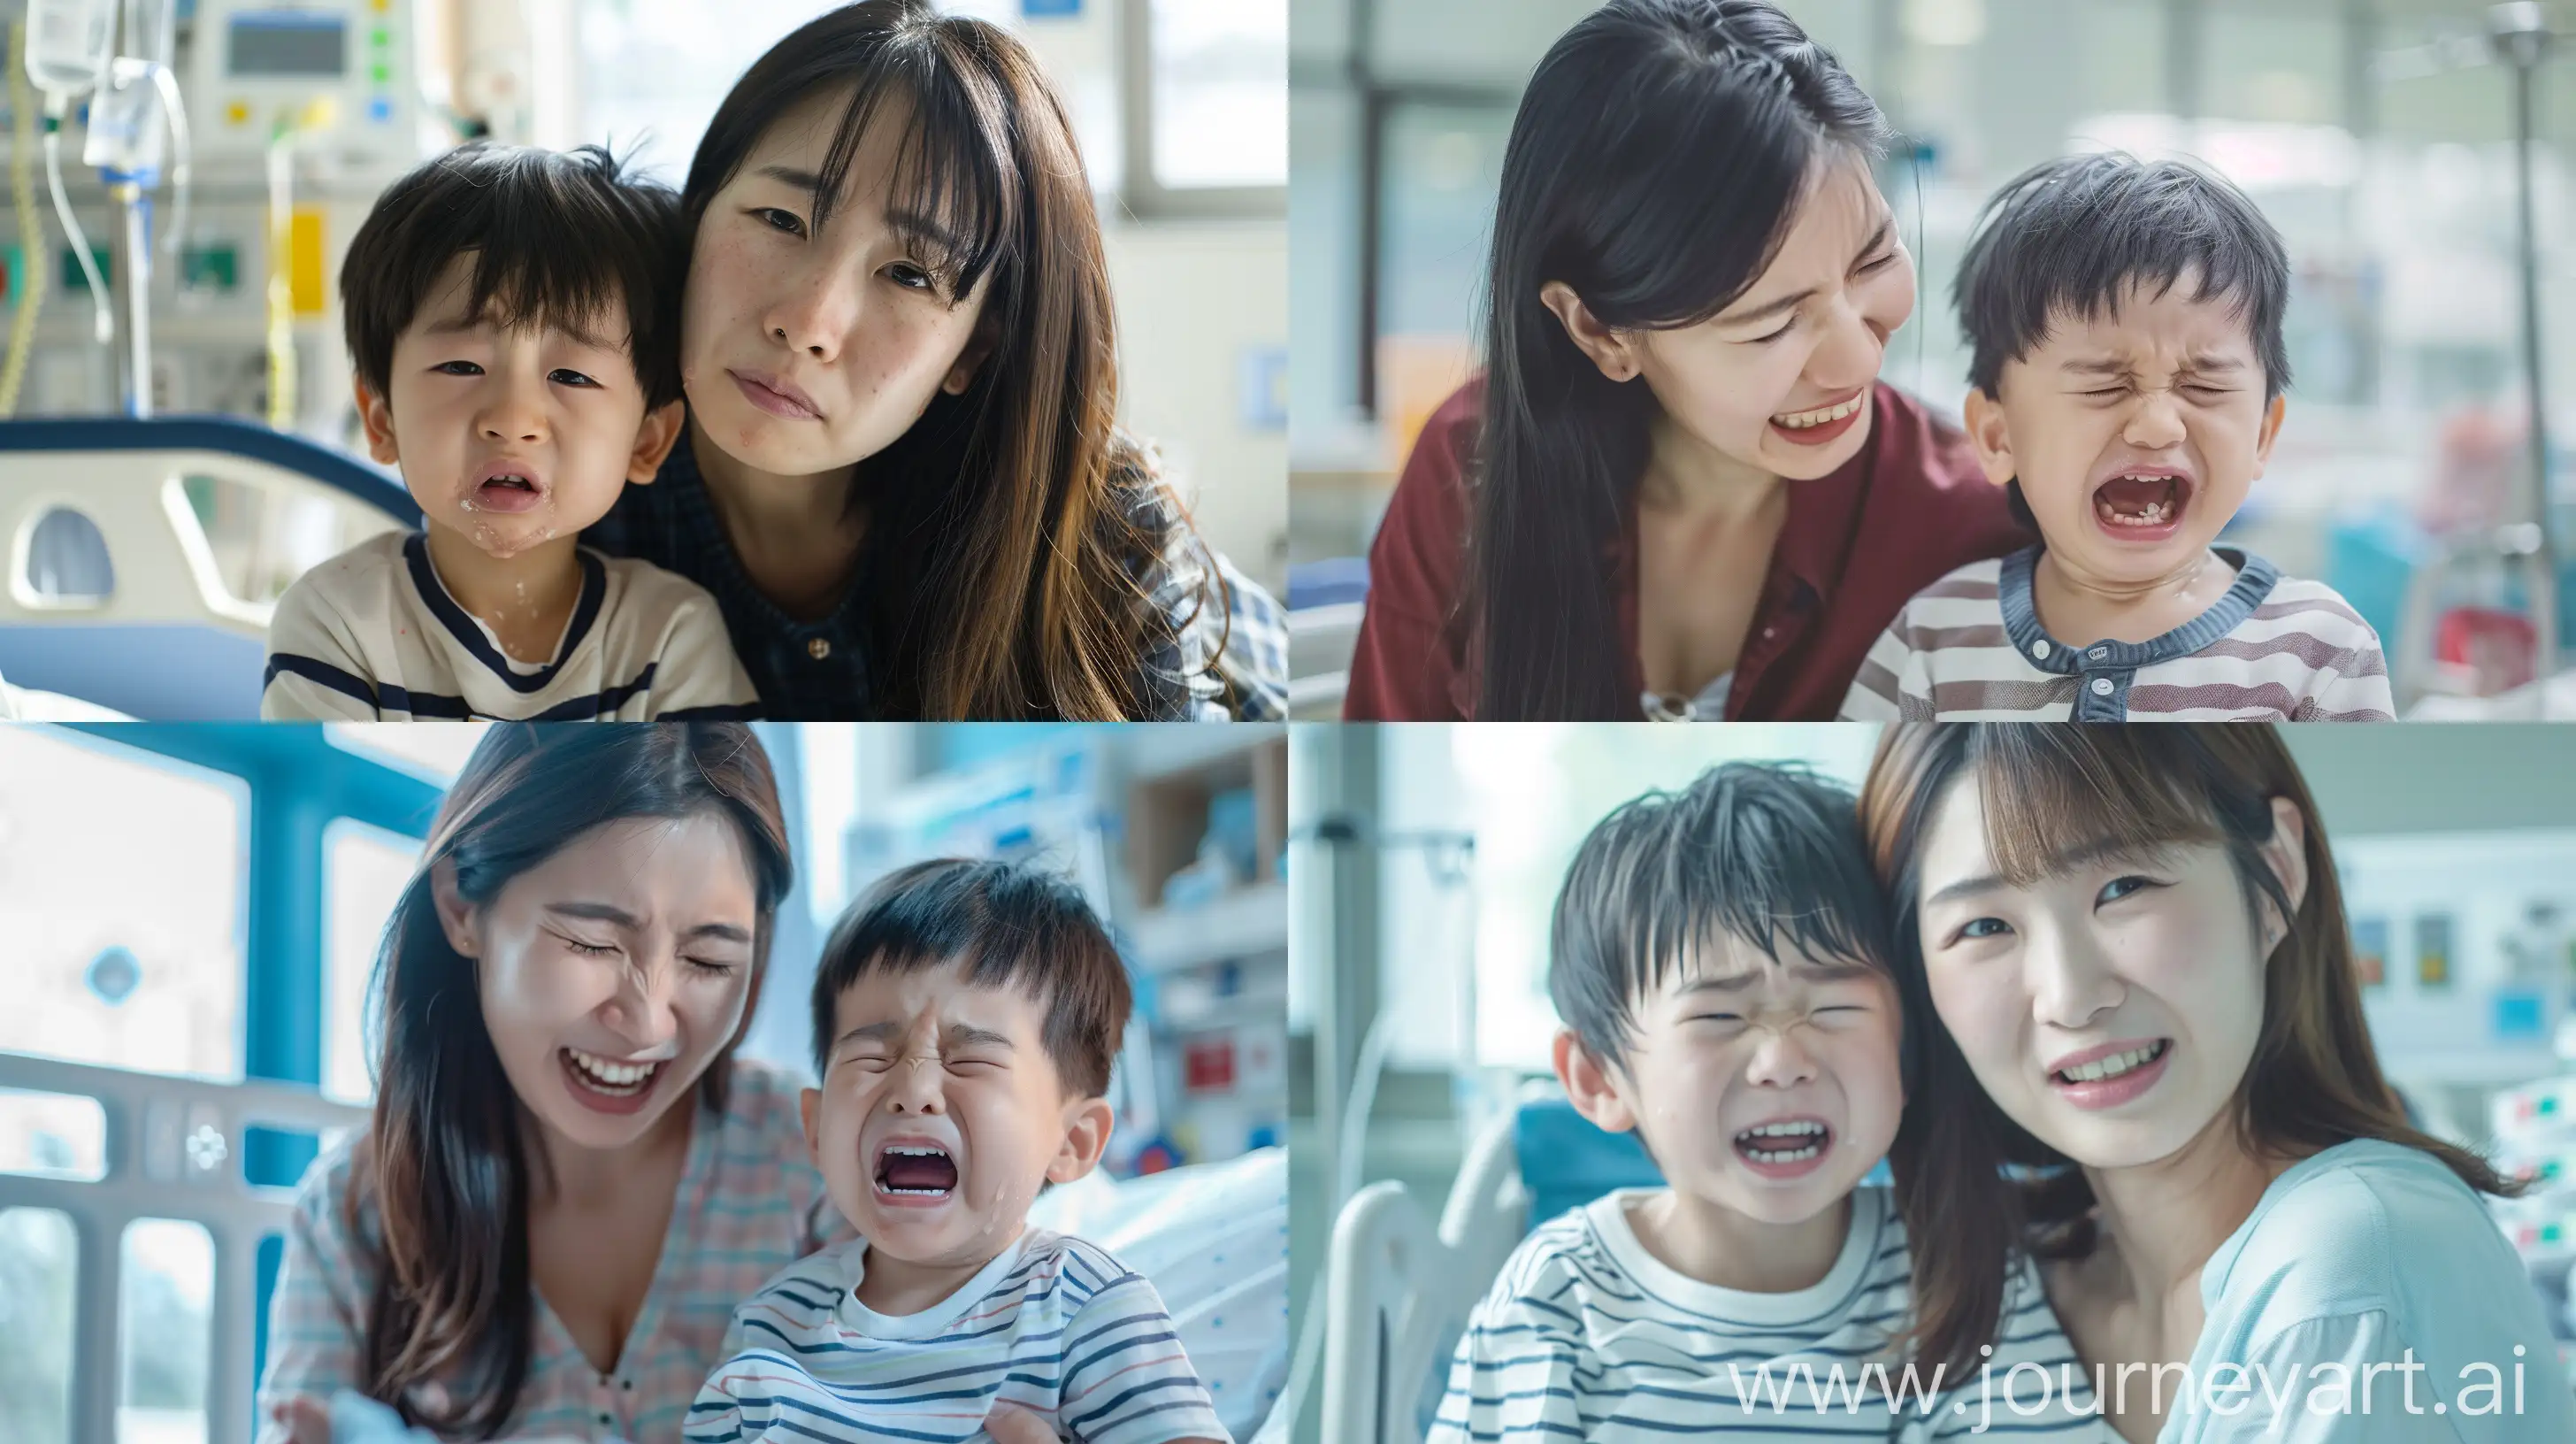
pixel 2126 377
pixel 513 317
pixel 965 1021
pixel 1719 967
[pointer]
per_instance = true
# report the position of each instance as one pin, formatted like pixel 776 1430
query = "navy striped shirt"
pixel 1218 649
pixel 1052 1324
pixel 1587 1336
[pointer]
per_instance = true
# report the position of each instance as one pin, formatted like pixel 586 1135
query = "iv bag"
pixel 68 43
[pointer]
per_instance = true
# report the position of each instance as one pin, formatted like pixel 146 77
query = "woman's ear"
pixel 455 914
pixel 1990 437
pixel 1087 1122
pixel 979 349
pixel 1590 1086
pixel 1615 352
pixel 2286 853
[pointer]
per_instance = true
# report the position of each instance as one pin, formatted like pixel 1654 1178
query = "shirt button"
pixel 2039 649
pixel 1769 632
pixel 2101 686
pixel 818 649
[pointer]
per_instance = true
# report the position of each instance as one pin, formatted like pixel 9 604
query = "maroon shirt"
pixel 1909 506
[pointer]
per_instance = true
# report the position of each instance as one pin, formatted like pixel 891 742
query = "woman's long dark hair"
pixel 2050 790
pixel 445 1165
pixel 1009 524
pixel 1654 167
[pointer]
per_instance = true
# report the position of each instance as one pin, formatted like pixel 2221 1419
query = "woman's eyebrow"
pixel 2102 849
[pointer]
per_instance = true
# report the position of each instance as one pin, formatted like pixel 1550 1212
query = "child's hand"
pixel 307 1419
pixel 1008 1424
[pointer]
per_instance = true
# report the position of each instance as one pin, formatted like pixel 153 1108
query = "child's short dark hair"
pixel 1012 926
pixel 2070 236
pixel 1763 852
pixel 558 236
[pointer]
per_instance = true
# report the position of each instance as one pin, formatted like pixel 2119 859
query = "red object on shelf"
pixel 2502 648
pixel 1208 1065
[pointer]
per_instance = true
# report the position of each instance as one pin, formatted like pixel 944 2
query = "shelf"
pixel 1242 924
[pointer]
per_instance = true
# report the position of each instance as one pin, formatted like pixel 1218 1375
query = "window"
pixel 431 751
pixel 364 872
pixel 126 943
pixel 1219 83
pixel 1528 794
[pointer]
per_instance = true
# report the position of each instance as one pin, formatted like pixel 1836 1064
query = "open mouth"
pixel 917 1171
pixel 506 491
pixel 1822 424
pixel 1784 1144
pixel 2118 1065
pixel 2146 504
pixel 606 1082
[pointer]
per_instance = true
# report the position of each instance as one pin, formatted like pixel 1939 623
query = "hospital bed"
pixel 120 597
pixel 1398 1288
pixel 1213 1237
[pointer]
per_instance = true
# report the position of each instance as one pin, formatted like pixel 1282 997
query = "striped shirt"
pixel 373 635
pixel 1587 1336
pixel 1970 647
pixel 1217 649
pixel 749 1203
pixel 1052 1323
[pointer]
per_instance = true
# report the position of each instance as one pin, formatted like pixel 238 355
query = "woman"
pixel 2135 946
pixel 902 476
pixel 1679 491
pixel 570 1180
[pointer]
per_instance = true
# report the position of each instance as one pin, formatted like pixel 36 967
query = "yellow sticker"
pixel 306 286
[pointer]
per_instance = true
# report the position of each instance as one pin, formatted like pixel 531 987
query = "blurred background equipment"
pixel 195 913
pixel 1428 1131
pixel 186 176
pixel 2404 148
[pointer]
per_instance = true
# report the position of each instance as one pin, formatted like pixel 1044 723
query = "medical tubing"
pixel 32 275
pixel 105 314
pixel 169 87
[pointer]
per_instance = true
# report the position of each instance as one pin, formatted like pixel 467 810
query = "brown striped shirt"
pixel 1970 647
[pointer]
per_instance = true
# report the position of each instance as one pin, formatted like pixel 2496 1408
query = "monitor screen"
pixel 287 42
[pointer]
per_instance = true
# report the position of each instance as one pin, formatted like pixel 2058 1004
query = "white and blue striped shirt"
pixel 1585 1335
pixel 1052 1324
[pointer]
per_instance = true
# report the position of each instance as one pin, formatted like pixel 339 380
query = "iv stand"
pixel 2521 39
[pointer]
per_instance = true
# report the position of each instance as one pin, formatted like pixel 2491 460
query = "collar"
pixel 477 643
pixel 2255 579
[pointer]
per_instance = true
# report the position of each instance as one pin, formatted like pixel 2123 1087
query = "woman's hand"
pixel 1008 1424
pixel 307 1419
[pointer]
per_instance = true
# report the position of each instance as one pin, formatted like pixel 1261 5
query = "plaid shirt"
pixel 749 1204
pixel 1208 663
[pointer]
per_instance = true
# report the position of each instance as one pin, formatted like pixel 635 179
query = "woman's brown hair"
pixel 445 1167
pixel 1976 1187
pixel 1009 525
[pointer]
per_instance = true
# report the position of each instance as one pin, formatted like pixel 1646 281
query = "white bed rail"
pixel 1397 1292
pixel 174 1150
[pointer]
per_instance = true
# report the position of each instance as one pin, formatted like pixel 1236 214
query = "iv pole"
pixel 2521 39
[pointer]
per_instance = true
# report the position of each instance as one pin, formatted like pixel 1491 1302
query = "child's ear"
pixel 654 440
pixel 1087 1122
pixel 378 420
pixel 455 914
pixel 1617 353
pixel 1588 1085
pixel 2271 432
pixel 1990 436
pixel 810 1104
